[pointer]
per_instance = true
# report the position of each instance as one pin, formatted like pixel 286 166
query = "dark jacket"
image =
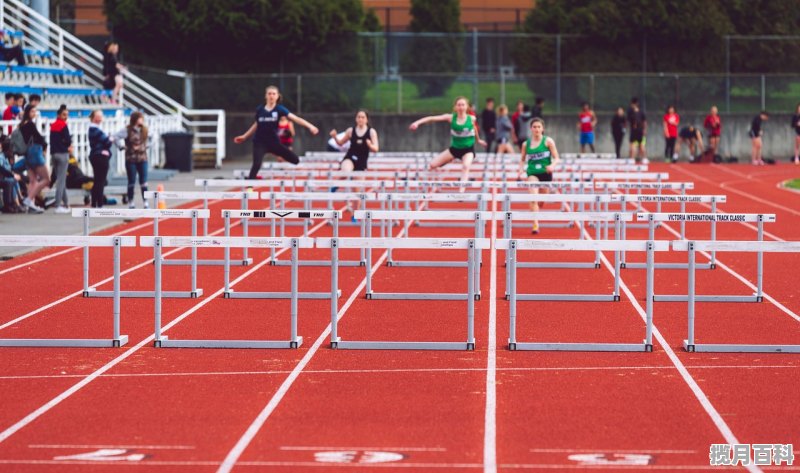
pixel 60 139
pixel 99 142
pixel 31 133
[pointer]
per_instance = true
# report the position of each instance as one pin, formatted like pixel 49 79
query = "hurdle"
pixel 513 246
pixel 726 218
pixel 116 242
pixel 480 199
pixel 472 246
pixel 155 214
pixel 243 197
pixel 625 188
pixel 759 247
pixel 162 341
pixel 278 214
pixel 387 216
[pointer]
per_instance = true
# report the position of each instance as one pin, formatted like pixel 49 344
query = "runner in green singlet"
pixel 540 155
pixel 464 132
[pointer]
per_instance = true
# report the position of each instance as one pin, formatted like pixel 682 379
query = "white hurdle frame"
pixel 117 242
pixel 760 247
pixel 759 219
pixel 277 214
pixel 227 242
pixel 156 214
pixel 243 197
pixel 512 246
pixel 472 246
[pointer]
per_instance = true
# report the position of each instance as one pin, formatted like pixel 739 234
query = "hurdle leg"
pixel 471 263
pixel 648 339
pixel 227 258
pixel 760 263
pixel 511 269
pixel 205 220
pixel 368 266
pixel 507 234
pixel 294 341
pixel 597 234
pixel 118 340
pixel 157 249
pixel 617 260
pixel 688 344
pixel 683 222
pixel 713 263
pixel 334 292
pixel 195 291
pixel 245 224
pixel 85 255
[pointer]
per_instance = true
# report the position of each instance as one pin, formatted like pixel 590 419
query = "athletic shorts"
pixel 358 164
pixel 545 177
pixel 459 153
pixel 587 138
pixel 797 131
pixel 752 134
pixel 636 136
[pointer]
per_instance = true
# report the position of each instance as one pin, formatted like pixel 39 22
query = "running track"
pixel 317 409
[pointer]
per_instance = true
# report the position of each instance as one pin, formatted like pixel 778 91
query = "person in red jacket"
pixel 713 126
pixel 671 122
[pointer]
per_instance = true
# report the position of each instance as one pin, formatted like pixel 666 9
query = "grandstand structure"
pixel 65 70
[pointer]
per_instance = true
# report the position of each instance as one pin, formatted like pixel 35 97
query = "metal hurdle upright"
pixel 275 214
pixel 243 197
pixel 116 242
pixel 512 247
pixel 758 247
pixel 472 246
pixel 227 243
pixel 155 214
pixel 759 219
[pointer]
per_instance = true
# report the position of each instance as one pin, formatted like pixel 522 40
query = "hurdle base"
pixel 568 297
pixel 356 345
pixel 543 225
pixel 207 262
pixel 165 342
pixel 737 348
pixel 231 294
pixel 427 264
pixel 278 262
pixel 417 296
pixel 66 342
pixel 627 347
pixel 93 292
pixel 702 298
pixel 556 265
pixel 668 266
pixel 444 225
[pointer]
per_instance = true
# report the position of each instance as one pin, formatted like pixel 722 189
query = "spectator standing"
pixel 504 130
pixel 713 126
pixel 618 129
pixel 135 141
pixel 693 139
pixel 515 118
pixel 11 112
pixel 489 124
pixel 671 122
pixel 34 158
pixel 587 120
pixel 99 155
pixel 637 124
pixel 112 71
pixel 538 108
pixel 796 126
pixel 60 149
pixel 756 132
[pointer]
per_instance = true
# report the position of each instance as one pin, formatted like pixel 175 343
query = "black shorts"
pixel 358 164
pixel 752 134
pixel 636 136
pixel 459 153
pixel 797 131
pixel 544 177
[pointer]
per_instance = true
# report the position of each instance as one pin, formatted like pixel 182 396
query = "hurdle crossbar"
pixel 116 242
pixel 513 246
pixel 472 246
pixel 759 247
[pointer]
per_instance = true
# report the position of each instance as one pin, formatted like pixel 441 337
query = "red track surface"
pixel 315 409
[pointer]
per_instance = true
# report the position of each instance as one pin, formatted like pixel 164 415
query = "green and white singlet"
pixel 462 136
pixel 538 158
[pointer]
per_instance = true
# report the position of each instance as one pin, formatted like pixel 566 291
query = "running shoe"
pixel 334 189
pixel 61 210
pixel 535 229
pixel 131 205
pixel 146 204
pixel 354 219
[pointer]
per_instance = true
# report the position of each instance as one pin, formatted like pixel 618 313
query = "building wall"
pixel 486 15
pixel 90 18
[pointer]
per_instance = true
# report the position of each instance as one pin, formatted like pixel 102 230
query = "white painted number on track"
pixel 355 456
pixel 105 455
pixel 588 459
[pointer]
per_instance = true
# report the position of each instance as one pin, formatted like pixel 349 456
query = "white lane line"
pixel 400 370
pixel 4 435
pixel 598 450
pixel 712 412
pixel 490 417
pixel 140 447
pixel 236 452
pixel 373 449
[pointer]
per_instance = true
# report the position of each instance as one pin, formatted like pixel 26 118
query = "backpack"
pixel 18 142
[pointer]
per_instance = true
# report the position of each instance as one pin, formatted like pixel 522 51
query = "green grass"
pixel 794 184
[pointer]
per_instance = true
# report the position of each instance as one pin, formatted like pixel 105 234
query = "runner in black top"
pixel 755 135
pixel 363 139
pixel 265 129
pixel 796 126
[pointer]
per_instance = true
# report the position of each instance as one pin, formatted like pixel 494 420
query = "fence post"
pixel 299 93
pixel 475 67
pixel 591 90
pixel 763 92
pixel 558 73
pixel 399 93
pixel 727 74
pixel 60 48
pixel 502 84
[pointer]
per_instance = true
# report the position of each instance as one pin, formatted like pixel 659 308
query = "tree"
pixel 434 54
pixel 246 36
